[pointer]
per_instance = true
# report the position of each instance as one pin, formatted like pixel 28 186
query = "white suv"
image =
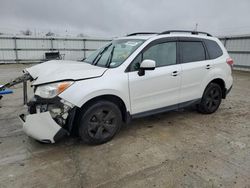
pixel 133 76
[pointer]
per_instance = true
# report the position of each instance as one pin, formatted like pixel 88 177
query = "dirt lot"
pixel 175 149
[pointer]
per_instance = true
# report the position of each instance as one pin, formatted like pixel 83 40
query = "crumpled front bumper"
pixel 48 120
pixel 42 127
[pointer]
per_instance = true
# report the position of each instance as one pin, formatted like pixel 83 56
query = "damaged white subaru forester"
pixel 133 76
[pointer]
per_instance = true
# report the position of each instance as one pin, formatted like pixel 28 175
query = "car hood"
pixel 58 70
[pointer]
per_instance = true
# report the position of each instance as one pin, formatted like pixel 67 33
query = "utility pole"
pixel 196 27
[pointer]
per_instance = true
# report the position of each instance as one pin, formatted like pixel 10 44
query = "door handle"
pixel 208 66
pixel 175 73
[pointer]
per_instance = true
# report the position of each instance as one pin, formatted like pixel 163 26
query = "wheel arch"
pixel 111 98
pixel 222 85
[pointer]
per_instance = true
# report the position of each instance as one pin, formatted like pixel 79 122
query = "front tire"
pixel 99 122
pixel 211 99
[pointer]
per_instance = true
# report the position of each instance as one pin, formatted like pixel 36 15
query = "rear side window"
pixel 192 51
pixel 213 49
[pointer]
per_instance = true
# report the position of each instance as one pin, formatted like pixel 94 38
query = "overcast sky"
pixel 110 18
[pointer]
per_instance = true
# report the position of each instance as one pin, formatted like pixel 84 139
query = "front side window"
pixel 163 54
pixel 115 53
pixel 192 51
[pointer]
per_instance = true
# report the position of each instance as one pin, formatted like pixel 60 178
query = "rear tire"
pixel 99 122
pixel 211 99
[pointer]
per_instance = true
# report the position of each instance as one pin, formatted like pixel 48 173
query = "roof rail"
pixel 185 31
pixel 142 33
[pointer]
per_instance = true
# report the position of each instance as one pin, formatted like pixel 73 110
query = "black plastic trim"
pixel 206 50
pixel 60 134
pixel 70 119
pixel 44 141
pixel 128 118
pixel 228 90
pixel 166 109
pixel 155 111
pixel 189 103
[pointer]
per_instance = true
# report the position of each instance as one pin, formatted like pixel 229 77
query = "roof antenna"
pixel 196 27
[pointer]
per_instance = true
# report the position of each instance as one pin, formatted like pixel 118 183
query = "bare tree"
pixel 49 34
pixel 81 35
pixel 26 32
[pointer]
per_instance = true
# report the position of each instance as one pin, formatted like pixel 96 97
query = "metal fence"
pixel 33 49
pixel 239 49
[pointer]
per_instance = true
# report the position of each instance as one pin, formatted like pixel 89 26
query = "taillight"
pixel 230 62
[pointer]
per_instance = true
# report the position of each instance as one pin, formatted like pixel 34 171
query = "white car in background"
pixel 133 76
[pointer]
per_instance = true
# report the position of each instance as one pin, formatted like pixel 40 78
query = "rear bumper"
pixel 42 127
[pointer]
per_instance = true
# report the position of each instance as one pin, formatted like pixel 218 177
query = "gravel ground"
pixel 175 149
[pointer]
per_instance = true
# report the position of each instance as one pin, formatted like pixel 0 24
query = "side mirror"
pixel 146 64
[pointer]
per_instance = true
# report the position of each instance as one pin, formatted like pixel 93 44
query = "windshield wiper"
pixel 99 55
pixel 110 57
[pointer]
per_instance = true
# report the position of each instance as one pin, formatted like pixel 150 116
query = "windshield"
pixel 115 53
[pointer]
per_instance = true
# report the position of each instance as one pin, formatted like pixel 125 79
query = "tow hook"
pixel 21 79
pixel 22 117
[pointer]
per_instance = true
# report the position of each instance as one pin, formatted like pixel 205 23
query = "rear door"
pixel 194 67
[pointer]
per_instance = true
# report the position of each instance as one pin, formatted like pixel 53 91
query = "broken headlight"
pixel 52 90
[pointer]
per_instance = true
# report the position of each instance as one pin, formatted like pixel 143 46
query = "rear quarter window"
pixel 214 50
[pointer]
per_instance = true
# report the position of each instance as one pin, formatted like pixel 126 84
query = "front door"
pixel 157 88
